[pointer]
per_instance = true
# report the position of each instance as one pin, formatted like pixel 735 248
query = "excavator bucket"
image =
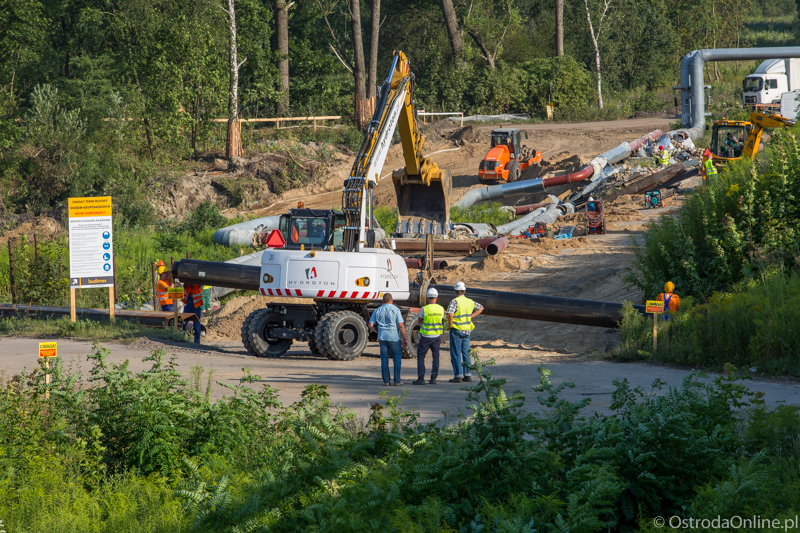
pixel 423 208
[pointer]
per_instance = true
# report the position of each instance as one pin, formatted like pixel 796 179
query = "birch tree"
pixel 233 146
pixel 595 42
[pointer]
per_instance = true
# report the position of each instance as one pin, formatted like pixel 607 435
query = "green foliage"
pixel 752 328
pixel 739 224
pixel 485 212
pixel 155 441
pixel 386 217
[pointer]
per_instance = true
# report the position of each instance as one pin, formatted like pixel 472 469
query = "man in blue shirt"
pixel 391 333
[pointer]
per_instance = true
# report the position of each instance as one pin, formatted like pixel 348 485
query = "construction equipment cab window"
pixel 312 228
pixel 728 140
pixel 507 138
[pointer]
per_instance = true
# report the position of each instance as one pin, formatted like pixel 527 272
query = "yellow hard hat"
pixel 669 287
pixel 162 269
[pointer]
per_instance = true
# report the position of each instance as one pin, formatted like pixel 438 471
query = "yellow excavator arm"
pixel 759 122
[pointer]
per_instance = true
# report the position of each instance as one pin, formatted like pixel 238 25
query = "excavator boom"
pixel 423 190
pixel 759 122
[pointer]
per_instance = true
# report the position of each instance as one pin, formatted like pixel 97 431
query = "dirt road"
pixel 357 384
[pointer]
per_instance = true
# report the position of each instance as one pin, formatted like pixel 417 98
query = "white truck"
pixel 771 79
pixel 790 104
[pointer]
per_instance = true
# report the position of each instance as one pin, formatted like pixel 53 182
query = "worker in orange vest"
pixel 164 283
pixel 672 303
pixel 193 303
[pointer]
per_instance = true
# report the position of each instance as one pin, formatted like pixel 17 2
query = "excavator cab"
pixel 313 229
pixel 728 138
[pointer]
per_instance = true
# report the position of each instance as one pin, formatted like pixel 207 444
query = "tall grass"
pixel 756 328
pixel 483 213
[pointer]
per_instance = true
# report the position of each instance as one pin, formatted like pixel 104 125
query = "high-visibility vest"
pixel 664 157
pixel 709 167
pixel 462 319
pixel 432 317
pixel 161 293
pixel 196 294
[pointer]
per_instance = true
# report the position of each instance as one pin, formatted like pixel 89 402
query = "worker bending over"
pixel 193 303
pixel 460 313
pixel 663 156
pixel 432 319
pixel 162 288
pixel 672 303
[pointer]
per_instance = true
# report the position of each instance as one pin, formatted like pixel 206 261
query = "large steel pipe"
pixel 233 276
pixel 497 246
pixel 537 307
pixel 496 303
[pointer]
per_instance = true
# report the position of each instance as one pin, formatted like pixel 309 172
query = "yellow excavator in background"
pixel 733 139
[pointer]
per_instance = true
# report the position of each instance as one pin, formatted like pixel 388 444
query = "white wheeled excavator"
pixel 331 256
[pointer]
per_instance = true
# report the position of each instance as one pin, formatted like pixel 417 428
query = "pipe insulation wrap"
pixel 241 234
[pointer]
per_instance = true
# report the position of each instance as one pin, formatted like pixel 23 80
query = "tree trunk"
pixel 485 51
pixel 453 34
pixel 282 18
pixel 595 38
pixel 358 51
pixel 233 146
pixel 373 48
pixel 599 80
pixel 559 27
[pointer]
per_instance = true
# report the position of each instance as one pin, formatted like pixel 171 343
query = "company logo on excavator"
pixel 311 273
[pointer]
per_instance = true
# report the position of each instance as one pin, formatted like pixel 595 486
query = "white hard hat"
pixel 433 293
pixel 460 286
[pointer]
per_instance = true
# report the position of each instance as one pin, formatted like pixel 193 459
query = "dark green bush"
pixel 246 463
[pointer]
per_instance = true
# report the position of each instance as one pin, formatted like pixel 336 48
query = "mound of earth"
pixel 469 134
pixel 227 321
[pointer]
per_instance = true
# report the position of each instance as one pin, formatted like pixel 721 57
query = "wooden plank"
pixel 653 180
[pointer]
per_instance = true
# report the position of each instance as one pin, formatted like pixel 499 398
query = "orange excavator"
pixel 508 157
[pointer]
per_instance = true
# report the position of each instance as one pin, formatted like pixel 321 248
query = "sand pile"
pixel 227 322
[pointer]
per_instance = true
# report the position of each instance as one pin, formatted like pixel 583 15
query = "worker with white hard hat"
pixel 460 313
pixel 431 319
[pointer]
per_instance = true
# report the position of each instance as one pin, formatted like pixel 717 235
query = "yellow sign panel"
pixel 654 306
pixel 90 207
pixel 175 292
pixel 48 349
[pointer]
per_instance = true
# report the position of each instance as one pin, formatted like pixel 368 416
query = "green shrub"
pixel 483 213
pixel 122 451
pixel 386 217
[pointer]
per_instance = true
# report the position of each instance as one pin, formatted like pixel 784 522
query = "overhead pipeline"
pixel 495 303
pixel 693 111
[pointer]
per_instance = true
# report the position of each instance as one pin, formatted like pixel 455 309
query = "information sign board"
pixel 91 249
pixel 48 349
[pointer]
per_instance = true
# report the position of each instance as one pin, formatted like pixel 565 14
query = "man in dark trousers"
pixel 431 318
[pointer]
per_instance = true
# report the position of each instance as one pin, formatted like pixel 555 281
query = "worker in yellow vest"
pixel 663 156
pixel 193 303
pixel 432 326
pixel 709 170
pixel 460 313
pixel 162 287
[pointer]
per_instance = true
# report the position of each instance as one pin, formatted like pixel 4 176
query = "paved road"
pixel 357 384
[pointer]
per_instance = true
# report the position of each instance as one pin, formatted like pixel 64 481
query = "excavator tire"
pixel 319 336
pixel 246 331
pixel 412 330
pixel 513 171
pixel 344 335
pixel 257 335
pixel 312 345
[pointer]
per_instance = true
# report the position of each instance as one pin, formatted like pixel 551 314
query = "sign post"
pixel 91 263
pixel 656 307
pixel 175 293
pixel 46 351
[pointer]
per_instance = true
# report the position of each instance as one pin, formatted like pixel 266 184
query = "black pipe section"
pixel 245 277
pixel 536 307
pixel 495 303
